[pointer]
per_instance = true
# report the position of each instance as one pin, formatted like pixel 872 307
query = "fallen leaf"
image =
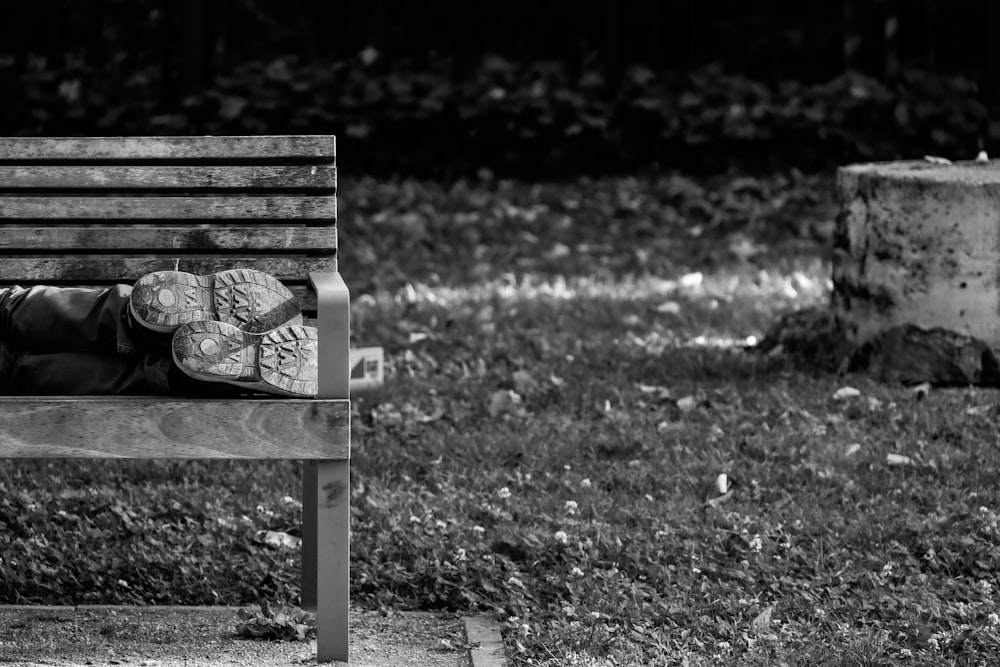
pixel 692 280
pixel 687 404
pixel 502 402
pixel 669 308
pixel 934 159
pixel 762 621
pixel 853 449
pixel 524 384
pixel 558 251
pixel 656 391
pixel 417 336
pixel 898 460
pixel 431 417
pixel 845 392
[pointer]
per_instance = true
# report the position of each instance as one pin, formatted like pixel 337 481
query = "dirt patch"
pixel 204 636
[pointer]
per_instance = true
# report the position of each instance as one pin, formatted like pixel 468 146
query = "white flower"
pixel 571 507
pixel 723 646
pixel 984 586
pixel 514 581
pixel 994 618
pixel 414 518
pixel 585 483
pixel 440 524
pixel 577 572
pixel 756 544
pixel 561 537
pixel 460 554
pixel 503 493
pixel 478 530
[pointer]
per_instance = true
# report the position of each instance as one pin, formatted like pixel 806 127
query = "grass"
pixel 548 446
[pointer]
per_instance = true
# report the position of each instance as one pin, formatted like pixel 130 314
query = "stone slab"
pixel 127 636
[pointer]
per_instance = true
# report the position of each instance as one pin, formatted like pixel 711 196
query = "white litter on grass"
pixel 981 156
pixel 276 538
pixel 722 483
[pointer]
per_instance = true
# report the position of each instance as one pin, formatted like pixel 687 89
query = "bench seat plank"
pixel 182 428
pixel 291 147
pixel 31 239
pixel 58 269
pixel 167 208
pixel 169 177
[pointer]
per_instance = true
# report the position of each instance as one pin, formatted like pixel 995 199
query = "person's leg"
pixel 44 318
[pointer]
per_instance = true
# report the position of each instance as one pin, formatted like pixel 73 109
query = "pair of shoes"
pixel 241 327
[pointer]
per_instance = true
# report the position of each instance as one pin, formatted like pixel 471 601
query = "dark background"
pixel 533 89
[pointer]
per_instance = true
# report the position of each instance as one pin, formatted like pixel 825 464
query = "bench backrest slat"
pixel 101 210
pixel 31 239
pixel 296 149
pixel 131 209
pixel 168 177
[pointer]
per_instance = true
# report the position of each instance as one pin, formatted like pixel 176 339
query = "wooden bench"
pixel 100 211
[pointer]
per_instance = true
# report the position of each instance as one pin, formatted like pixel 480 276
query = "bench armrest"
pixel 334 314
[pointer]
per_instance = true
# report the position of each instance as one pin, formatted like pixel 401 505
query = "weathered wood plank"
pixel 167 208
pixel 183 428
pixel 82 269
pixel 302 147
pixel 304 295
pixel 322 177
pixel 164 239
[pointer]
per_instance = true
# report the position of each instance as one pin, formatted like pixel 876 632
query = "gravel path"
pixel 203 637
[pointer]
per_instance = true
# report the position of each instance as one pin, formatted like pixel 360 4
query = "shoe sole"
pixel 282 361
pixel 251 300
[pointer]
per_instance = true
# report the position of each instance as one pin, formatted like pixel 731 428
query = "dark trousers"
pixel 78 340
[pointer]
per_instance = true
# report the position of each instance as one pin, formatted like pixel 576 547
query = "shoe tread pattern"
pixel 282 361
pixel 288 359
pixel 213 351
pixel 253 301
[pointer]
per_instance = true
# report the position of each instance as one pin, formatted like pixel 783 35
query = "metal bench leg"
pixel 326 485
pixel 326 553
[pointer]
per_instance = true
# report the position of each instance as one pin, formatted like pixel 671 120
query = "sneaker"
pixel 248 299
pixel 281 361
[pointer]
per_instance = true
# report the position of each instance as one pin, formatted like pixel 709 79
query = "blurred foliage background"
pixel 532 89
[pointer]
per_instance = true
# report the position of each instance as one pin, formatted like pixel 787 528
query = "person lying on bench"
pixel 232 332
